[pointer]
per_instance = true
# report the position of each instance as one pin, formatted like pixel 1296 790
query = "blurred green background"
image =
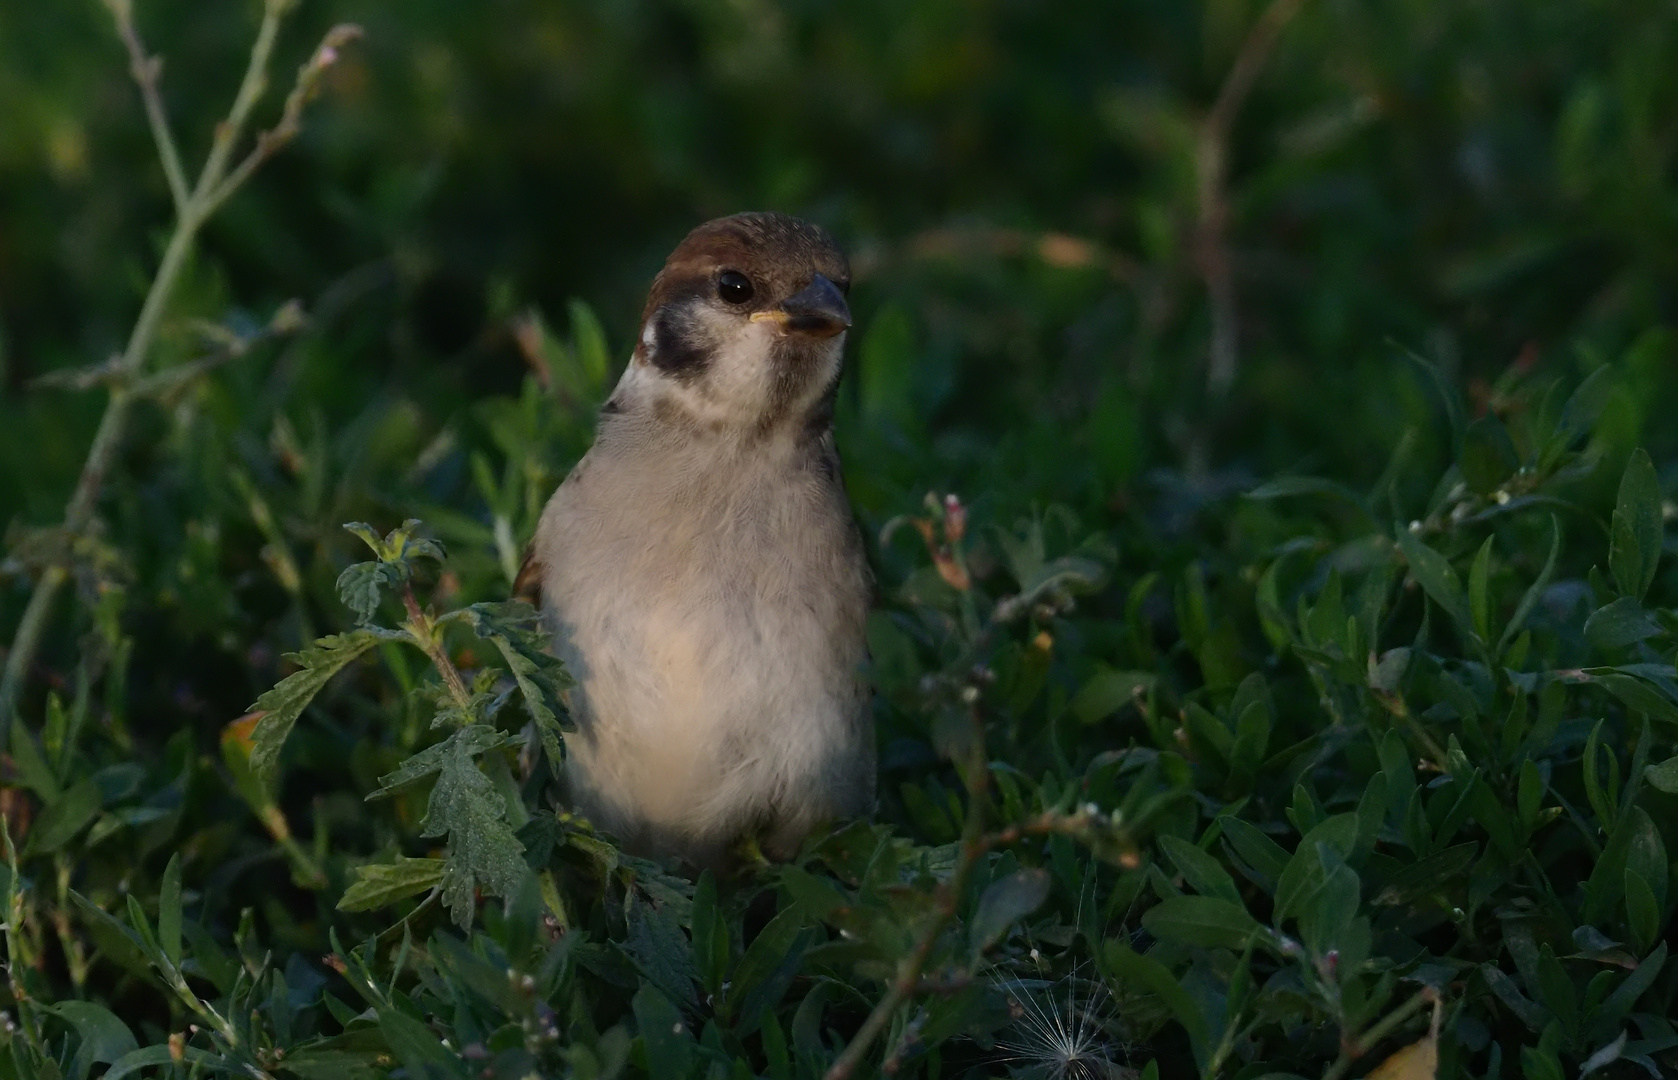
pixel 1065 217
pixel 1029 191
pixel 1126 257
pixel 1484 182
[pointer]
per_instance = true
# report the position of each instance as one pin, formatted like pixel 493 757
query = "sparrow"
pixel 700 570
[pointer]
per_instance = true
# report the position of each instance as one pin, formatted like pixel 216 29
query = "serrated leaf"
pixel 515 629
pixel 379 885
pixel 281 706
pixel 482 851
pixel 360 586
pixel 1634 547
pixel 477 738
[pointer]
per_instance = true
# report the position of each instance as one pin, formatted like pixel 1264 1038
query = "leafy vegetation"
pixel 1259 417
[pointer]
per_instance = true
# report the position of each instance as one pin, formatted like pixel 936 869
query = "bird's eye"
pixel 734 287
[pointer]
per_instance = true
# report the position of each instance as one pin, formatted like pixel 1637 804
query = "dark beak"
pixel 819 310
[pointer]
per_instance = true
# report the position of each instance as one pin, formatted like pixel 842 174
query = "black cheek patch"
pixel 674 349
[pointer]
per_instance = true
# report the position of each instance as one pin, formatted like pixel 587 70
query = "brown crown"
pixel 779 253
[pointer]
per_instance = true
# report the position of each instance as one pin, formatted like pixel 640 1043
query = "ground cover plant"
pixel 1276 655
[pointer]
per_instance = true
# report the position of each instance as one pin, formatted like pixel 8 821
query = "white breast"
pixel 712 613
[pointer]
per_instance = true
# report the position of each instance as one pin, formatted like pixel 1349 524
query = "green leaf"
pixel 104 1037
pixel 1006 901
pixel 1618 1004
pixel 668 1043
pixel 1643 913
pixel 763 973
pixel 1634 546
pixel 281 706
pixel 482 850
pixel 1305 872
pixel 169 911
pixel 1488 455
pixel 1207 921
pixel 1108 691
pixel 1264 855
pixel 1578 415
pixel 476 738
pixel 1664 776
pixel 1151 975
pixel 1529 599
pixel 1636 693
pixel 147 1056
pixel 63 818
pixel 1620 623
pixel 1434 573
pixel 1478 602
pixel 378 885
pixel 515 628
pixel 1199 869
pixel 360 586
pixel 421 1052
pixel 711 948
pixel 33 772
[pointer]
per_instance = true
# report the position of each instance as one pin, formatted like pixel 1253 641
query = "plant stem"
pixel 1211 162
pixel 950 893
pixel 424 633
pixel 191 211
pixel 1353 1049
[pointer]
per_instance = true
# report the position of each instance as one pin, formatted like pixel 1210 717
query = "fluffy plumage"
pixel 700 568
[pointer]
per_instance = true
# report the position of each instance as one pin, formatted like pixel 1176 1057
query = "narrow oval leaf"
pixel 281 706
pixel 1206 921
pixel 377 885
pixel 1005 902
pixel 1434 573
pixel 1634 545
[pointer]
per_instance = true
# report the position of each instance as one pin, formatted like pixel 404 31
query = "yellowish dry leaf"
pixel 1418 1061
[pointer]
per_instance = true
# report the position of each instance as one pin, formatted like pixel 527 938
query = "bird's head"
pixel 745 326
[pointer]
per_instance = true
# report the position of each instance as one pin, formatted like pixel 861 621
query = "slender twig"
pixel 192 210
pixel 948 900
pixel 1212 176
pixel 423 629
pixel 1352 1049
pixel 146 70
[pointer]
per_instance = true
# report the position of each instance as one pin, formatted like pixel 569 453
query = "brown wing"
pixel 528 585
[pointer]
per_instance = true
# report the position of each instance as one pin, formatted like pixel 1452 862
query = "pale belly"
pixel 702 717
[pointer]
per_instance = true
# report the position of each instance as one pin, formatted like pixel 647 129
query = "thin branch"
pixel 146 70
pixel 423 629
pixel 1352 1049
pixel 950 893
pixel 210 191
pixel 1212 176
